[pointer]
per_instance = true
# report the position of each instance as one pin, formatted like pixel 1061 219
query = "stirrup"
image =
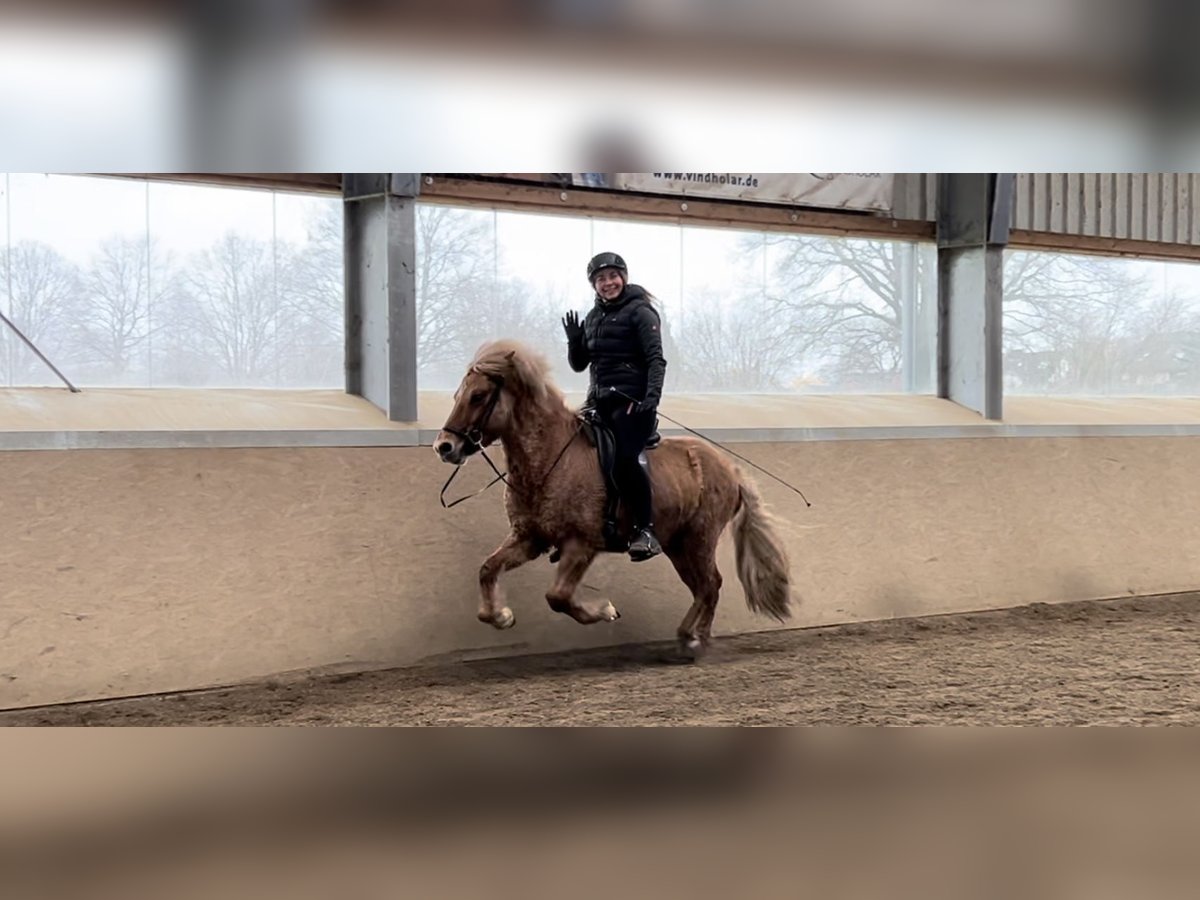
pixel 650 549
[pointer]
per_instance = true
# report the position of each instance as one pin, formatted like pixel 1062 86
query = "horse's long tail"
pixel 762 560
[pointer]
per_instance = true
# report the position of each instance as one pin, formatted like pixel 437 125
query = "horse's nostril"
pixel 443 448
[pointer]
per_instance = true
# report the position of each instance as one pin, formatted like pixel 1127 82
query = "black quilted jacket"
pixel 622 342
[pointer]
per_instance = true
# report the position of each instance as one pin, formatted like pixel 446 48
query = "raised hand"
pixel 572 327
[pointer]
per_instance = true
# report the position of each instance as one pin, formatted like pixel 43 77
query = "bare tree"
pixel 43 304
pixel 842 303
pixel 736 349
pixel 512 309
pixel 1164 346
pixel 231 308
pixel 1072 323
pixel 455 275
pixel 122 288
pixel 311 284
pixel 315 270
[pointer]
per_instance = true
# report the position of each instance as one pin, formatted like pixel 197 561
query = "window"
pixel 129 283
pixel 1089 325
pixel 743 312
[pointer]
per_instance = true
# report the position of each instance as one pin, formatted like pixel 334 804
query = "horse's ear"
pixel 510 354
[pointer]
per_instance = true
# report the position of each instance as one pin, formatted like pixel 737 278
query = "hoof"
pixel 691 647
pixel 609 613
pixel 555 555
pixel 503 619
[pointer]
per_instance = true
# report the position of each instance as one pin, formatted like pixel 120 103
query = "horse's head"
pixel 480 414
pixel 507 385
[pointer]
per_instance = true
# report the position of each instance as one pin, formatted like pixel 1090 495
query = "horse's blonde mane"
pixel 522 368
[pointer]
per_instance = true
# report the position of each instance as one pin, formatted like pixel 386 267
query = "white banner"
pixel 862 191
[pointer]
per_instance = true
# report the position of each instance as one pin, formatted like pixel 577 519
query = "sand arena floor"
pixel 1119 662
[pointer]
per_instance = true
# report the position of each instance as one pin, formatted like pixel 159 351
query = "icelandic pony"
pixel 556 498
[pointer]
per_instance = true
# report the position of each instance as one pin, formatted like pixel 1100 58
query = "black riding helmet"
pixel 606 261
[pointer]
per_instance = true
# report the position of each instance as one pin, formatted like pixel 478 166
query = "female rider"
pixel 620 339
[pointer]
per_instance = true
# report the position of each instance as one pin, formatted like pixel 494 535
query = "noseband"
pixel 473 436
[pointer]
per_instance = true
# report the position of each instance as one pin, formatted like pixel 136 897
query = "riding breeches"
pixel 631 431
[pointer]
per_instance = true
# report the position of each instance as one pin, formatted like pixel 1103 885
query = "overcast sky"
pixel 74 214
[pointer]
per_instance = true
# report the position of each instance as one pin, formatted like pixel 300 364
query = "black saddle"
pixel 600 436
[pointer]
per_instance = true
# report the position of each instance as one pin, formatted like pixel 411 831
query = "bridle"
pixel 473 436
pixel 473 440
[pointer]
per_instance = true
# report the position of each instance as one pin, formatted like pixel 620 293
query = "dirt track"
pixel 1104 663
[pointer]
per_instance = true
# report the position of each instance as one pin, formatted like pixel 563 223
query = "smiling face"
pixel 609 283
pixel 479 416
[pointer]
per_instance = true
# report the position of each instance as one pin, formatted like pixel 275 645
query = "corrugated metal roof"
pixel 1154 206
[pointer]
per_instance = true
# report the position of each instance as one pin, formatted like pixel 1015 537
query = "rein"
pixel 721 446
pixel 474 439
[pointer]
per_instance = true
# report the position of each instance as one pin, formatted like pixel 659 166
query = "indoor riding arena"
pixel 970 402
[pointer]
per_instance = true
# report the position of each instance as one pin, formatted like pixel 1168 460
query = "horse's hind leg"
pixel 512 553
pixel 696 562
pixel 576 557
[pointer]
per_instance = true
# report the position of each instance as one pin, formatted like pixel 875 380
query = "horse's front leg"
pixel 515 551
pixel 576 557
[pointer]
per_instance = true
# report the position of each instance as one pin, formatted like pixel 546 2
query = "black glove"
pixel 572 327
pixel 646 406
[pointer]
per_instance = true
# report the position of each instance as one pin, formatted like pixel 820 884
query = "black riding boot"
pixel 631 431
pixel 644 544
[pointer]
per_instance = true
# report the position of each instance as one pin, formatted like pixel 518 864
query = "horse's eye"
pixel 478 397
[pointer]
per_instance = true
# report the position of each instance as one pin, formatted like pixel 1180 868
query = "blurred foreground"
pixel 231 814
pixel 839 812
pixel 926 85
